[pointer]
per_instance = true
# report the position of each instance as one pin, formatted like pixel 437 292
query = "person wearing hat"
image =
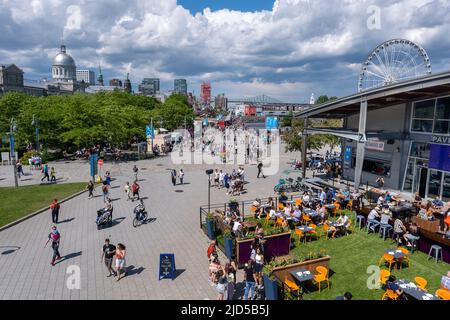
pixel 373 218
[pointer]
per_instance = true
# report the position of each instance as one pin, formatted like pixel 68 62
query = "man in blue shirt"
pixel 346 296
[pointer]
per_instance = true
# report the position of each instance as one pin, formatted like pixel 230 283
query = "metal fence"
pixel 244 206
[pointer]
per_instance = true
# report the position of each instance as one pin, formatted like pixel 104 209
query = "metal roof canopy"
pixel 383 97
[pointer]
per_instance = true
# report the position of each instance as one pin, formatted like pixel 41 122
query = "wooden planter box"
pixel 281 272
pixel 276 245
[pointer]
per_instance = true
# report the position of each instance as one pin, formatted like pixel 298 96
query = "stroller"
pixel 237 186
pixel 104 217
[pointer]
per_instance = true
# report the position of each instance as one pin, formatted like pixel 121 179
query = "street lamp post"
pixel 12 130
pixel 35 124
pixel 209 172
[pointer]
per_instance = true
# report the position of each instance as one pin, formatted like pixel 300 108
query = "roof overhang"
pixel 402 92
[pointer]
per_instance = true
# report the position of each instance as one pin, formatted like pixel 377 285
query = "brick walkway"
pixel 27 274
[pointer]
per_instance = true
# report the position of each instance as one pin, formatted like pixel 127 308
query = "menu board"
pixel 167 266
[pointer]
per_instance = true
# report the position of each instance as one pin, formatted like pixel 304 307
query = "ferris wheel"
pixel 393 61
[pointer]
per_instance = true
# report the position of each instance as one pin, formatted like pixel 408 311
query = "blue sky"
pixel 287 51
pixel 195 6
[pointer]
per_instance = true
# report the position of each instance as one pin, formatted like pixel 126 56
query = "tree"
pixel 315 142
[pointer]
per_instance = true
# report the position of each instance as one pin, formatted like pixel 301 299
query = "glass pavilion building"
pixel 400 132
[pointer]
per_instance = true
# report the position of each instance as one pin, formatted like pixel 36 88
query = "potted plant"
pixel 270 282
pixel 210 226
pixel 228 243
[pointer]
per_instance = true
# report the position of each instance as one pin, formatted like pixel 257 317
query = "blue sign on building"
pixel 440 157
pixel 348 154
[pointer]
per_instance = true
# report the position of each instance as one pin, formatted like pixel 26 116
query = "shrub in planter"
pixel 228 243
pixel 270 283
pixel 210 226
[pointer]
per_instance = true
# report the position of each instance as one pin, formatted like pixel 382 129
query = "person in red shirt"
pixel 135 189
pixel 54 207
pixel 211 249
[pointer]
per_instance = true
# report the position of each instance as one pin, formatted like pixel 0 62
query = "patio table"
pixel 310 212
pixel 302 275
pixel 305 229
pixel 398 254
pixel 411 290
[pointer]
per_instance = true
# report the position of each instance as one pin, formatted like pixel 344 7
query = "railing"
pixel 244 206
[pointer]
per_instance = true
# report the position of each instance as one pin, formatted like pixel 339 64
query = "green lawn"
pixel 350 257
pixel 18 202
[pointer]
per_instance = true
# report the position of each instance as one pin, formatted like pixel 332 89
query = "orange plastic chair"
pixel 349 227
pixel 336 209
pixel 279 222
pixel 321 276
pixel 350 205
pixel 326 230
pixel 390 294
pixel 292 287
pixel 443 294
pixel 280 206
pixel 298 202
pixel 421 283
pixel 384 276
pixel 313 232
pixel 387 258
pixel 406 257
pixel 305 218
pixel 253 209
pixel 300 235
pixel 267 220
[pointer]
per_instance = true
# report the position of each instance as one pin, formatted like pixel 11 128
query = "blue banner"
pixel 94 164
pixel 11 145
pixel 149 132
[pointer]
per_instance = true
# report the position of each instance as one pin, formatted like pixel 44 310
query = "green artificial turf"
pixel 19 202
pixel 351 256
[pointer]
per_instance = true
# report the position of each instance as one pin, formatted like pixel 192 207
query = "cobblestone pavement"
pixel 25 263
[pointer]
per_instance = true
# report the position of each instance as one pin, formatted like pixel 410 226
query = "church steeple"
pixel 127 84
pixel 100 76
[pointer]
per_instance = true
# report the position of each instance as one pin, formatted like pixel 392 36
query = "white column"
pixel 361 143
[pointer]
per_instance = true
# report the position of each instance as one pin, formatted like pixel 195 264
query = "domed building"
pixel 64 67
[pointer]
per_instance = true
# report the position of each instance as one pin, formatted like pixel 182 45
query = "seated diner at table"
pixel 412 234
pixel 392 285
pixel 399 231
pixel 374 215
pixel 322 213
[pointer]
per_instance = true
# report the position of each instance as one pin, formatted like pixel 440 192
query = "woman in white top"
pixel 259 263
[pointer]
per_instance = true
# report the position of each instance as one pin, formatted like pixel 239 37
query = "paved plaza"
pixel 27 273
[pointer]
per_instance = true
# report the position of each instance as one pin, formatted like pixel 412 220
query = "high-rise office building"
pixel 205 94
pixel 149 86
pixel 115 82
pixel 88 76
pixel 180 86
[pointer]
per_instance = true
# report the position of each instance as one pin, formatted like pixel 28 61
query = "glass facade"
pixel 428 117
pixel 431 116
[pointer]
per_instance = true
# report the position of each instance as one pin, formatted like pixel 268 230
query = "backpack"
pixel 55 236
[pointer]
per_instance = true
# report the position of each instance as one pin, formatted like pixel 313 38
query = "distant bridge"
pixel 271 106
pixel 265 100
